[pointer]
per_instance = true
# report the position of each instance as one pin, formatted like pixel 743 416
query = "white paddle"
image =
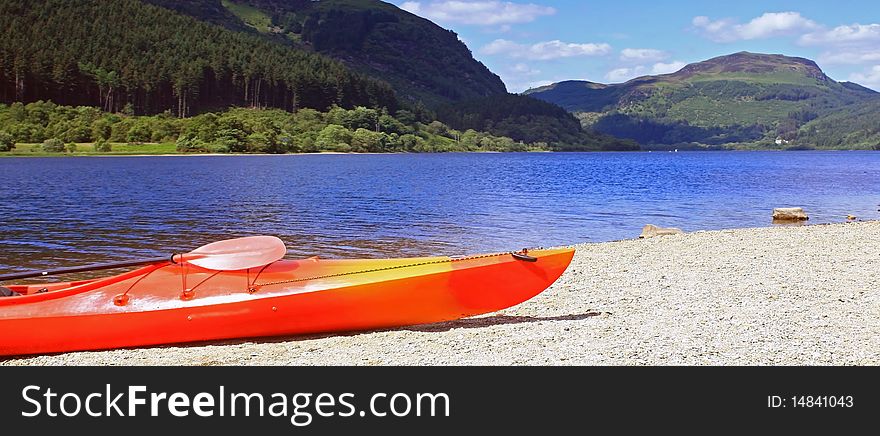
pixel 229 255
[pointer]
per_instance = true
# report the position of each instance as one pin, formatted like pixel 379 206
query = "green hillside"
pixel 118 53
pixel 526 119
pixel 250 15
pixel 743 99
pixel 424 62
pixel 852 127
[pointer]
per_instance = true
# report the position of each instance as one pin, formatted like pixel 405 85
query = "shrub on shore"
pixel 53 145
pixel 7 142
pixel 102 146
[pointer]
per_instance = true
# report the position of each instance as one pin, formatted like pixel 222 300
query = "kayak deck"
pixel 169 303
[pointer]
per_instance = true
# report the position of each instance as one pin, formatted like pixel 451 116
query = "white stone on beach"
pixel 650 231
pixel 789 214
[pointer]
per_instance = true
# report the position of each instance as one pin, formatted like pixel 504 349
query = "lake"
pixel 66 211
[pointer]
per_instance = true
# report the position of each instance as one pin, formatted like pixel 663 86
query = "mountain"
pixel 528 120
pixel 859 88
pixel 854 126
pixel 118 53
pixel 742 100
pixel 423 61
pixel 260 52
pixel 579 95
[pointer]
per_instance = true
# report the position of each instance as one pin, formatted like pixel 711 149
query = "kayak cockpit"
pixel 22 290
pixel 41 292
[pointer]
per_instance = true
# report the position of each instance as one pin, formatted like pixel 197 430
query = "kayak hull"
pixel 164 304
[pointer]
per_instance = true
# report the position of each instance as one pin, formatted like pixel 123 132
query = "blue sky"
pixel 531 43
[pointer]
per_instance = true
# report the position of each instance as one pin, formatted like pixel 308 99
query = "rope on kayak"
pixel 122 299
pixel 193 289
pixel 256 287
pixel 186 294
pixel 252 286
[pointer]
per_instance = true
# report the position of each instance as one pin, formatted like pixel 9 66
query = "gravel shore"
pixel 799 295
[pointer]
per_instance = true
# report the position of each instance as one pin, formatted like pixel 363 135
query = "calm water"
pixel 64 211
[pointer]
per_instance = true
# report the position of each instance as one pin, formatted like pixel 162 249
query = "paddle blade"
pixel 238 254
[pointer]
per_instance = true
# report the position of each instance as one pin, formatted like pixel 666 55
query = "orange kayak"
pixel 168 302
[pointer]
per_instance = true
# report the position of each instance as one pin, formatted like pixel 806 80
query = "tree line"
pixel 115 54
pixel 244 130
pixel 424 62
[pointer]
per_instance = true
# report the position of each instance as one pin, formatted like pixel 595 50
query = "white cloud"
pixel 544 50
pixel 642 55
pixel 768 25
pixel 666 68
pixel 856 44
pixel 623 74
pixel 519 87
pixel 618 75
pixel 851 56
pixel 870 78
pixel 521 76
pixel 499 46
pixel 412 7
pixel 480 12
pixel 856 34
pixel 525 70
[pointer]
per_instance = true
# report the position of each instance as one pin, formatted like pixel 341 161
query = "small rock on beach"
pixel 789 214
pixel 650 231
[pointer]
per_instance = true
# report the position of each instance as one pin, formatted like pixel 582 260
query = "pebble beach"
pixel 782 295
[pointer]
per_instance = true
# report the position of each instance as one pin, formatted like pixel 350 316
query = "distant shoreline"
pixel 111 154
pixel 76 155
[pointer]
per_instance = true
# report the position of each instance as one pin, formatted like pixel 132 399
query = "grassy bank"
pixel 88 149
